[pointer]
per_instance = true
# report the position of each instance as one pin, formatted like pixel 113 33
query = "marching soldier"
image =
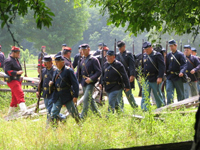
pixel 154 68
pixel 90 71
pixel 66 90
pixel 47 75
pixel 126 58
pixel 67 56
pixel 13 69
pixel 43 49
pixel 194 52
pixel 63 46
pixel 77 57
pixel 100 47
pixel 99 57
pixel 2 58
pixel 176 66
pixel 193 65
pixel 114 78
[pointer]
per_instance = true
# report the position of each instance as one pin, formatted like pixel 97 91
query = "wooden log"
pixel 42 106
pixel 34 105
pixel 24 90
pixel 179 104
pixel 157 114
pixel 2 74
pixel 186 145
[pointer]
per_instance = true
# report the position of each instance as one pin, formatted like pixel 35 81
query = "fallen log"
pixel 33 80
pixel 189 102
pixel 34 105
pixel 24 90
pixel 157 114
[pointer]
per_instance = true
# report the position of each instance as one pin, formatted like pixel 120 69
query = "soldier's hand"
pixel 159 80
pixel 20 72
pixel 37 94
pixel 180 74
pixel 131 78
pixel 100 86
pixel 75 100
pixel 50 83
pixel 126 90
pixel 88 80
pixel 192 71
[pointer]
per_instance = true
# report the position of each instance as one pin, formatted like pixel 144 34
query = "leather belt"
pixel 60 89
pixel 107 83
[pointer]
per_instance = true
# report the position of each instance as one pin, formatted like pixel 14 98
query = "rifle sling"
pixel 152 62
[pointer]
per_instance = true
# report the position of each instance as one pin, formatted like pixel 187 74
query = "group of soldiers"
pixel 115 72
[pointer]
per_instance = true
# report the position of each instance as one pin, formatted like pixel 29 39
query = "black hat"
pixel 59 58
pixel 172 42
pixel 193 49
pixel 146 45
pixel 64 44
pixel 110 53
pixel 84 46
pixel 47 58
pixel 187 46
pixel 157 47
pixel 120 44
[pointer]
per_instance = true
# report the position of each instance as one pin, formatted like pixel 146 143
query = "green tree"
pixel 143 15
pixel 68 26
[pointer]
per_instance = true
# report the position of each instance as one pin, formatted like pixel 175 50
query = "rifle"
pixel 140 92
pixel 115 46
pixel 134 58
pixel 180 46
pixel 39 85
pixel 165 59
pixel 102 74
pixel 25 75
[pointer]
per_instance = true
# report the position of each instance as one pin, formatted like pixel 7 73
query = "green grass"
pixel 118 131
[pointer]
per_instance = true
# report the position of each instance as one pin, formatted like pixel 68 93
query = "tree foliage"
pixel 181 16
pixel 67 26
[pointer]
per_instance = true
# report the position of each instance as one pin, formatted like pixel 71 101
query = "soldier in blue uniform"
pixel 67 56
pixel 90 71
pixel 66 90
pixel 115 79
pixel 2 58
pixel 47 75
pixel 100 47
pixel 43 53
pixel 63 46
pixel 193 65
pixel 154 68
pixel 99 57
pixel 77 57
pixel 126 58
pixel 176 66
pixel 194 52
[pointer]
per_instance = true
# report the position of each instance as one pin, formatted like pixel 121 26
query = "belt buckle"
pixel 107 83
pixel 58 89
pixel 172 72
pixel 45 88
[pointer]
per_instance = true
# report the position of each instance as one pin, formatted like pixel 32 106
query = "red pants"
pixel 17 93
